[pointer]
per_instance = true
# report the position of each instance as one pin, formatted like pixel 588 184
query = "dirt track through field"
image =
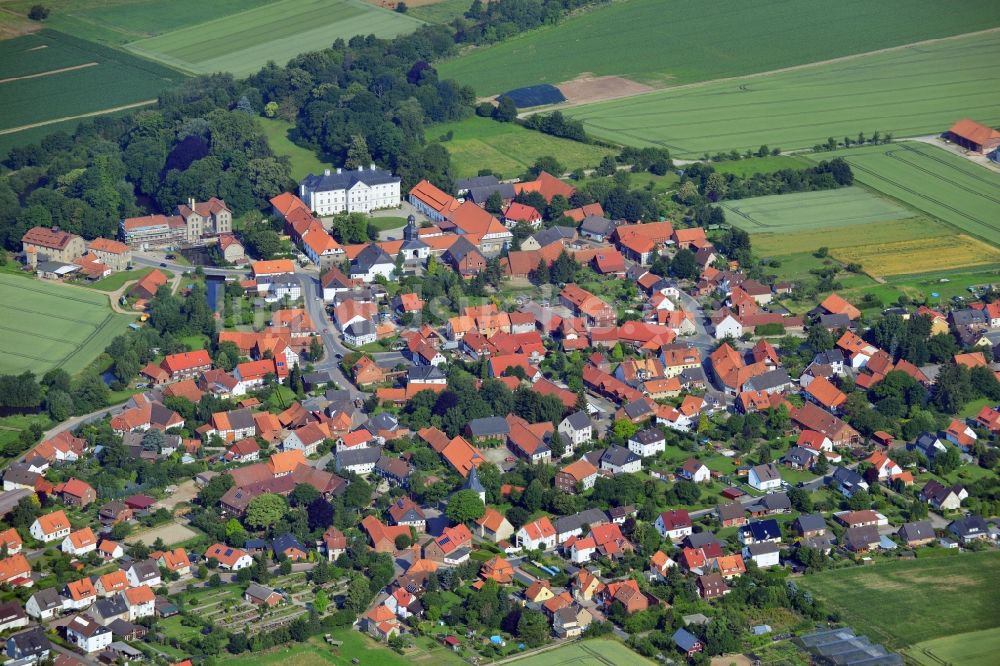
pixel 123 107
pixel 49 73
pixel 742 77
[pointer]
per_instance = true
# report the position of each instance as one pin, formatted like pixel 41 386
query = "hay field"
pixel 925 255
pixel 50 325
pixel 906 92
pixel 904 602
pixel 242 43
pixel 783 244
pixel 669 42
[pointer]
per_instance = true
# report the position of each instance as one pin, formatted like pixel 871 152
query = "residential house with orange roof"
pixel 432 202
pixel 518 213
pixel 584 304
pixel 383 537
pixel 452 548
pixel 11 540
pixel 497 569
pixel 80 542
pixel 186 364
pixel 494 526
pixel 111 583
pixel 229 558
pixel 693 238
pixel 148 285
pixel 539 534
pixel 462 456
pixel 822 391
pixel 15 571
pixel 626 592
pixel 50 527
pixel 175 560
pixel 835 304
pixel 80 594
pixel 75 492
pixel 578 474
pixel 547 185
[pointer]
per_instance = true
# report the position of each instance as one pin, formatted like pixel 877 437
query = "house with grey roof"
pixel 568 526
pixel 764 477
pixel 809 525
pixel 969 528
pixel 576 430
pixel 361 461
pixel 360 333
pixel 371 262
pixel 597 228
pixel 481 193
pixel 619 460
pixel 774 381
pixel 29 646
pixel 917 533
pixel 463 185
pixel 394 470
pixel 488 428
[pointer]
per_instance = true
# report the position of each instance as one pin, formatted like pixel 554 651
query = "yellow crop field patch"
pixel 923 255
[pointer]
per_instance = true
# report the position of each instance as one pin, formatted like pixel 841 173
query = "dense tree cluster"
pixel 702 182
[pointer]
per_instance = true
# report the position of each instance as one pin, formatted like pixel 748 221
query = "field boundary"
pixel 89 114
pixel 771 72
pixel 50 72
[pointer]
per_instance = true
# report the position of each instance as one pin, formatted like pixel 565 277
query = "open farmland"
pixel 670 42
pixel 509 149
pixel 597 652
pixel 50 77
pixel 117 22
pixel 50 326
pixel 785 243
pixel 925 255
pixel 976 648
pixel 903 602
pixel 930 179
pixel 244 42
pixel 828 209
pixel 906 92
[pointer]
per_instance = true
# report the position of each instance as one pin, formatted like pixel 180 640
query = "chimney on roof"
pixel 339 171
pixel 361 168
pixel 372 166
pixel 191 203
pixel 326 172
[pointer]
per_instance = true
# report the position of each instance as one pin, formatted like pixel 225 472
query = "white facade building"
pixel 352 191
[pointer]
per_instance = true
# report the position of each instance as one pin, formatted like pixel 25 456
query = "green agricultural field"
pixel 597 652
pixel 304 161
pixel 244 42
pixel 509 149
pixel 785 243
pixel 827 209
pixel 116 22
pixel 903 602
pixel 669 42
pixel 930 179
pixel 905 92
pixel 69 77
pixel 976 648
pixel 53 326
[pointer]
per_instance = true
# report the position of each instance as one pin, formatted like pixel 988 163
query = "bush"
pixel 38 13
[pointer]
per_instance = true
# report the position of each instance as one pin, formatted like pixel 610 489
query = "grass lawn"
pixel 801 108
pixel 901 603
pixel 509 149
pixel 596 652
pixel 975 648
pixel 53 325
pixel 672 42
pixel 304 161
pixel 280 30
pixel 387 223
pixel 195 342
pixel 114 281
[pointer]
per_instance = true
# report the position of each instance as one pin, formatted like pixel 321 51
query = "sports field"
pixel 509 149
pixel 50 325
pixel 597 652
pixel 669 42
pixel 904 602
pixel 242 43
pixel 976 648
pixel 905 92
pixel 50 75
pixel 930 179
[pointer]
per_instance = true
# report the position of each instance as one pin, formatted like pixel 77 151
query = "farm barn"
pixel 974 136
